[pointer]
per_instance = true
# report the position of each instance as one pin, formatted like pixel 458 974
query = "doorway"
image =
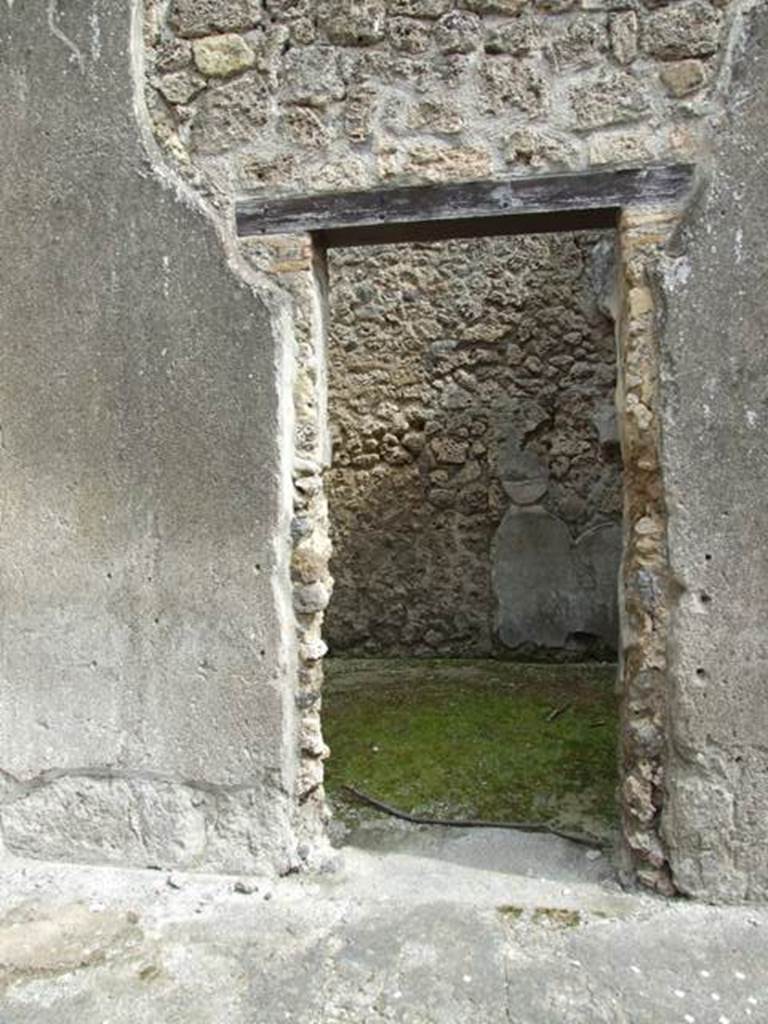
pixel 287 238
pixel 475 505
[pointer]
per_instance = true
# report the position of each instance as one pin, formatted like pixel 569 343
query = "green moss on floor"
pixel 474 739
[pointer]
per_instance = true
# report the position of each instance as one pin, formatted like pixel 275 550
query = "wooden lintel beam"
pixel 546 202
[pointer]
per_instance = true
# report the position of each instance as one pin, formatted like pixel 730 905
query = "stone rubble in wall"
pixel 287 96
pixel 465 378
pixel 290 261
pixel 645 571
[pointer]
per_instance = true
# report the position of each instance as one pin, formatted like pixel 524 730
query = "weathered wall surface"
pixel 313 95
pixel 475 488
pixel 716 472
pixel 145 702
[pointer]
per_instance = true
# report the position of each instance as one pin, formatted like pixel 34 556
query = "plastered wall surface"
pixel 144 710
pixel 475 487
pixel 715 419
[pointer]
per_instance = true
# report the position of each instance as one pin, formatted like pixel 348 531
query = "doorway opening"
pixel 475 504
pixel 288 237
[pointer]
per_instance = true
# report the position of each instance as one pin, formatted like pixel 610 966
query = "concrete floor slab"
pixel 435 933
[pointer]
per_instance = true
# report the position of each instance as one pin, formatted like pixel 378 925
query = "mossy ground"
pixel 474 739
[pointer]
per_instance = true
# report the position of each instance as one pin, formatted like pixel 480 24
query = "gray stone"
pixel 310 77
pixel 715 466
pixel 509 7
pixel 140 478
pixel 419 8
pixel 180 86
pixel 173 55
pixel 230 113
pixel 290 10
pixel 458 32
pixel 435 115
pixel 624 36
pixel 359 110
pixel 683 77
pixel 606 97
pixel 510 85
pixel 631 146
pixel 200 17
pixel 688 29
pixel 352 22
pixel 407 35
pixel 580 44
pixel 313 597
pixel 516 37
pixel 532 148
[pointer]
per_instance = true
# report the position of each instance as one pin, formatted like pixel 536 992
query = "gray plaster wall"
pixel 715 442
pixel 144 709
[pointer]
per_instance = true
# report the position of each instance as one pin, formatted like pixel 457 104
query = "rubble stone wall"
pixel 312 95
pixel 471 384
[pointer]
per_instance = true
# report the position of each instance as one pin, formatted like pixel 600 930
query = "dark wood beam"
pixel 546 202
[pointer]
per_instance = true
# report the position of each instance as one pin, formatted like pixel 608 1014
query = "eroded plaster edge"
pixel 279 305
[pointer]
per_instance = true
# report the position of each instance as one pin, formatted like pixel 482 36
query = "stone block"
pixel 290 10
pixel 202 17
pixel 305 127
pixel 624 36
pixel 622 147
pixel 180 86
pixel 352 22
pixel 229 114
pixel 435 115
pixel 508 7
pixel 221 56
pixel 435 162
pixel 688 29
pixel 509 85
pixel 516 38
pixel 580 44
pixel 173 55
pixel 458 32
pixel 419 8
pixel 539 149
pixel 684 77
pixel 310 77
pixel 311 598
pixel 407 35
pixel 359 111
pixel 604 97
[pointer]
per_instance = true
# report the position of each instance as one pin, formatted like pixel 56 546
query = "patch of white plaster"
pixel 74 51
pixel 751 418
pixel 95 36
pixel 738 245
pixel 676 272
